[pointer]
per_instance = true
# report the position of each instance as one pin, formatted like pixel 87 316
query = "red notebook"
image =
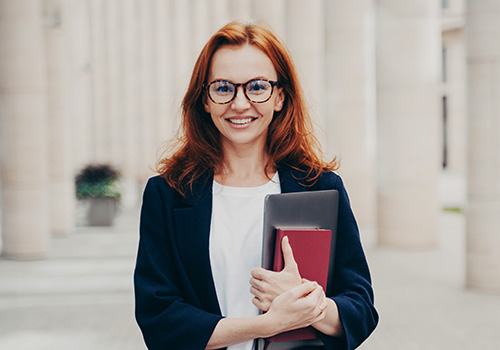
pixel 311 250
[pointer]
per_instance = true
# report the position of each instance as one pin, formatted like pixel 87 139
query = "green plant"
pixel 98 180
pixel 454 210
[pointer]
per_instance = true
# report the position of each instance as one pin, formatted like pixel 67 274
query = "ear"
pixel 206 104
pixel 278 105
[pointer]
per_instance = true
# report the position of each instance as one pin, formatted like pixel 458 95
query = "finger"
pixel 258 273
pixel 318 293
pixel 321 316
pixel 256 301
pixel 288 258
pixel 313 306
pixel 254 291
pixel 261 305
pixel 314 299
pixel 302 290
pixel 323 307
pixel 256 283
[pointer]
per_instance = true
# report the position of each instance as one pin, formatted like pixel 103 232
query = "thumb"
pixel 288 258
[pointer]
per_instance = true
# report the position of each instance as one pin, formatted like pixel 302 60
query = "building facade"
pixel 90 81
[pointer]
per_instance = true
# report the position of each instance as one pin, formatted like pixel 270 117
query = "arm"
pixel 296 308
pixel 167 310
pixel 352 290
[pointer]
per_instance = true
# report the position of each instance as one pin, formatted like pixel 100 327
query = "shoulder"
pixel 158 186
pixel 157 189
pixel 328 180
pixel 331 181
pixel 297 179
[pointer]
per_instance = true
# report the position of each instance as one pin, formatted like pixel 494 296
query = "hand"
pixel 298 307
pixel 267 285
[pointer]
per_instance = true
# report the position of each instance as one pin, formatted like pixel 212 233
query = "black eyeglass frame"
pixel 236 86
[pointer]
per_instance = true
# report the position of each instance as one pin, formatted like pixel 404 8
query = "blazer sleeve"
pixel 351 290
pixel 166 319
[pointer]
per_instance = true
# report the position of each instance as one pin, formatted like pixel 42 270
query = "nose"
pixel 240 101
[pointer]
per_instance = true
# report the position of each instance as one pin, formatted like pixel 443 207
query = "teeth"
pixel 241 121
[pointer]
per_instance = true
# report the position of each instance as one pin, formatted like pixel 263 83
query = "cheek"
pixel 269 112
pixel 216 111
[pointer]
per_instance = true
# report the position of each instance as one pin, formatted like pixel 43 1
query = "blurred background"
pixel 405 93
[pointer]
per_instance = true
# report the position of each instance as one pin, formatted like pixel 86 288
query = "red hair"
pixel 290 139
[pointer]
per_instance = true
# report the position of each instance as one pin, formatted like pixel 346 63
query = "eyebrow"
pixel 231 81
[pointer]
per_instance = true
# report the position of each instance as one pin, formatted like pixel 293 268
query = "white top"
pixel 236 246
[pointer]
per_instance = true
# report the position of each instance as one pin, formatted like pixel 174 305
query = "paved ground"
pixel 81 298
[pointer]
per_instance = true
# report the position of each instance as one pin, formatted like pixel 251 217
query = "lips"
pixel 240 121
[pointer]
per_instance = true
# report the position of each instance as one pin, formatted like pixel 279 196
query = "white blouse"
pixel 236 246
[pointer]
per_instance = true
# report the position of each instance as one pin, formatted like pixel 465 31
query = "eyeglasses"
pixel 256 90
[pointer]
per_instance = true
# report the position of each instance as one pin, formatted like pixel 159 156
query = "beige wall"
pixel 483 156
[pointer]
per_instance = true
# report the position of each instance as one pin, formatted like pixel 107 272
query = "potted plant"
pixel 99 184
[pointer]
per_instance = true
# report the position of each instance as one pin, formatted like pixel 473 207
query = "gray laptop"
pixel 308 209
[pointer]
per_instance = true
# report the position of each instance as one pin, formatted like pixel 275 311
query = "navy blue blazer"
pixel 176 301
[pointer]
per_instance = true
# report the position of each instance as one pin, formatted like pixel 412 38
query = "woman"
pixel 245 134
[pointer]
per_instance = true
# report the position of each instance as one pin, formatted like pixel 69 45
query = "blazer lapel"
pixel 290 180
pixel 192 228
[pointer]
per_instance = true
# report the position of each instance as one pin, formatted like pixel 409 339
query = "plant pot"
pixel 102 211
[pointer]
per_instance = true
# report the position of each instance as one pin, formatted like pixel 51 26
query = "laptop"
pixel 298 210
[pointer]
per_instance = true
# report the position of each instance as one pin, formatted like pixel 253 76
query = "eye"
pixel 222 87
pixel 257 86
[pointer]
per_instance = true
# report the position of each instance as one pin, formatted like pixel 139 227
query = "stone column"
pixel 131 90
pixel 454 101
pixel 272 12
pixel 23 130
pixel 165 119
pixel 133 164
pixel 201 29
pixel 483 205
pixel 99 117
pixel 350 97
pixel 240 9
pixel 115 72
pixel 454 90
pixel 147 78
pixel 306 40
pixel 182 55
pixel 219 14
pixel 408 117
pixel 62 191
pixel 80 85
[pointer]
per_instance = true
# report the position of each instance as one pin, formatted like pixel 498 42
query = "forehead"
pixel 240 64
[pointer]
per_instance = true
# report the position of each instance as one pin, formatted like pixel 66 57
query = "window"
pixel 444 64
pixel 445 132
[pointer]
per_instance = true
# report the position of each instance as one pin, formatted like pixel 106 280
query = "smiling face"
pixel 243 123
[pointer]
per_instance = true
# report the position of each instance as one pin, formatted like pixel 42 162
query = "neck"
pixel 244 167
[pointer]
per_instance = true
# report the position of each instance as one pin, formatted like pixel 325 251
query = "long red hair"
pixel 290 140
